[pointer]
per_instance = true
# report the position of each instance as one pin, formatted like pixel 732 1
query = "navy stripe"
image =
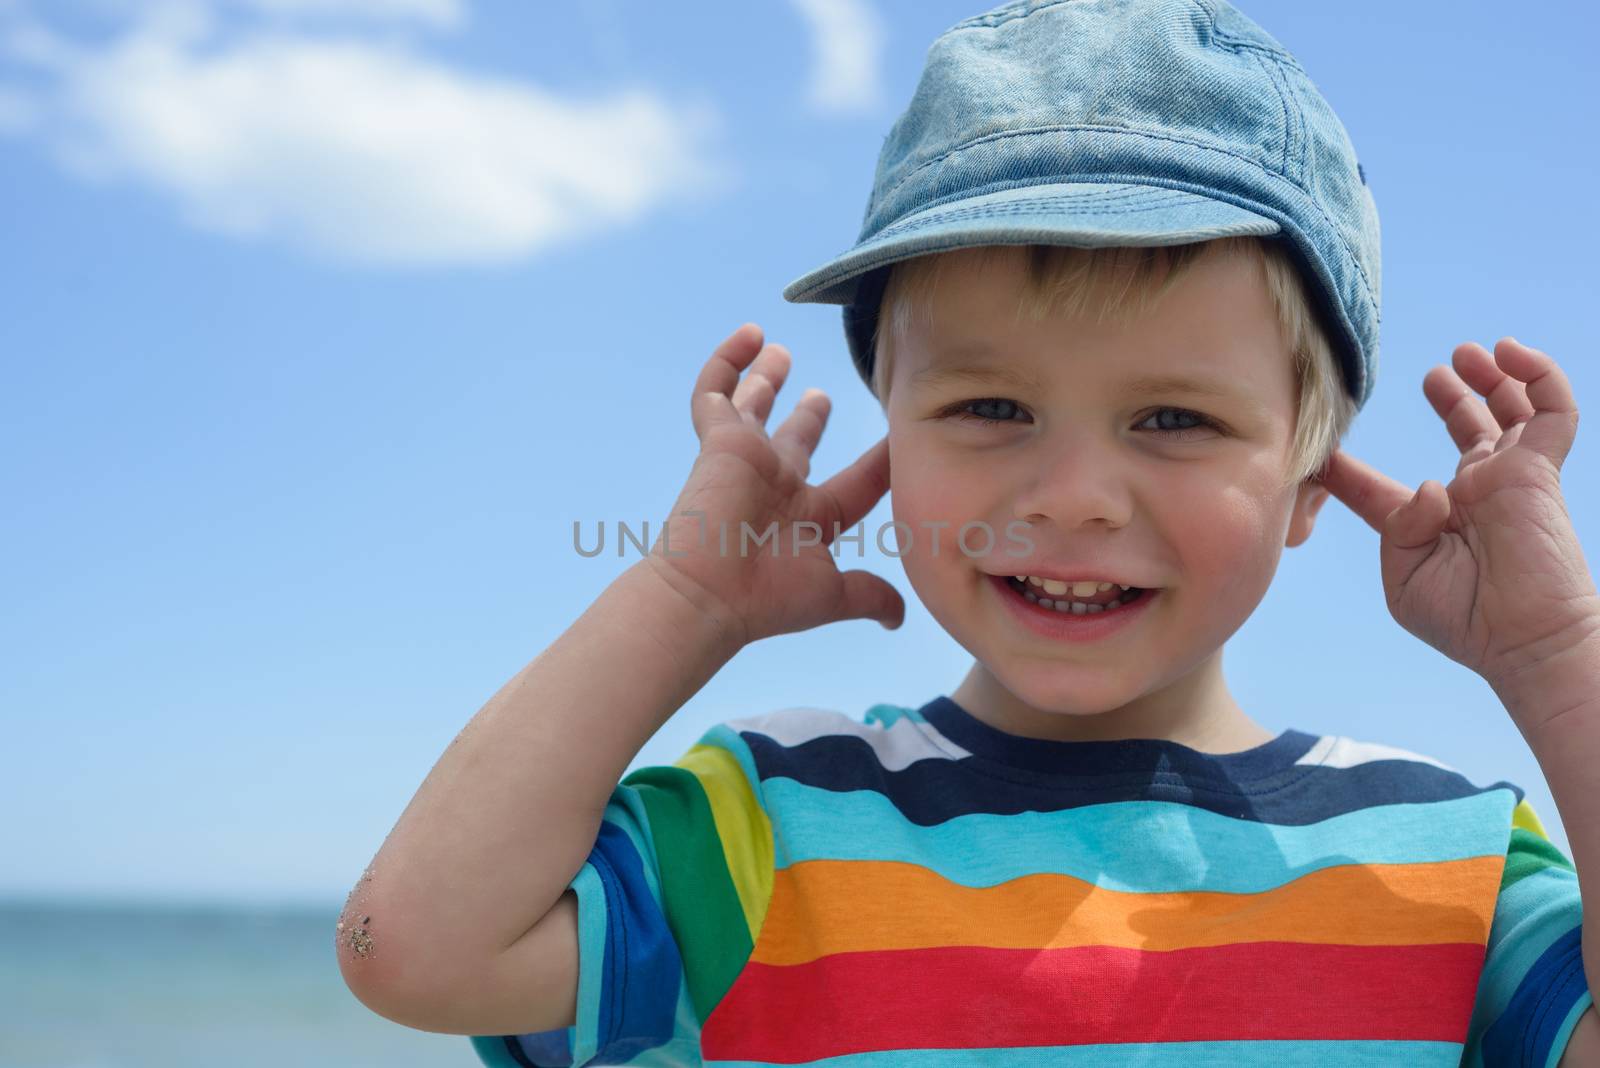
pixel 933 791
pixel 1123 757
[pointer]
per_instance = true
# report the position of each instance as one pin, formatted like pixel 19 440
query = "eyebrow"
pixel 933 376
pixel 1143 385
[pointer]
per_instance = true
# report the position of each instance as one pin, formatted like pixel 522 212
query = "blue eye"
pixel 1005 411
pixel 1006 408
pixel 1202 420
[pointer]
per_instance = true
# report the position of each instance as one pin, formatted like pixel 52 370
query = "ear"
pixel 1308 500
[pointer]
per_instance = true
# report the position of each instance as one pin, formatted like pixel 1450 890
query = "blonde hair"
pixel 1062 278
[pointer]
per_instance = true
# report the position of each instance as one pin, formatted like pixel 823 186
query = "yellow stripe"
pixel 742 825
pixel 1523 816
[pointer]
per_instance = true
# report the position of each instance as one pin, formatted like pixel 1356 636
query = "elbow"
pixel 383 976
pixel 365 973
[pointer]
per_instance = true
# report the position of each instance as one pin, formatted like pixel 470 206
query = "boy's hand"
pixel 742 475
pixel 1487 569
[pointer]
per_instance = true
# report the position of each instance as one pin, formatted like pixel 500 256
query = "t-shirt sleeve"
pixel 1532 989
pixel 670 902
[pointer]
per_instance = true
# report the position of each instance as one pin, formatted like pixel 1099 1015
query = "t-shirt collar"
pixel 1127 756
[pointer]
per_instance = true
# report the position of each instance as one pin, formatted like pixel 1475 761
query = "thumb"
pixel 1418 522
pixel 867 596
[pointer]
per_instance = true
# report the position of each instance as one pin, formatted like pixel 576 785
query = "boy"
pixel 1117 290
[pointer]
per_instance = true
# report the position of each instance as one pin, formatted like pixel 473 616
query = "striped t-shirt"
pixel 920 888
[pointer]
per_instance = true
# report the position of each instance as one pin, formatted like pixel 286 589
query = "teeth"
pixel 1076 608
pixel 1056 588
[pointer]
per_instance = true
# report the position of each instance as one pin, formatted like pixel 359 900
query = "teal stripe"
pixel 1529 916
pixel 584 1036
pixel 626 811
pixel 1267 1053
pixel 889 715
pixel 1101 843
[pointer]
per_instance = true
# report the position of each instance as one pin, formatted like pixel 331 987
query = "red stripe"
pixel 960 997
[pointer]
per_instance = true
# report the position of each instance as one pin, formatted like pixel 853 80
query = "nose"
pixel 1073 479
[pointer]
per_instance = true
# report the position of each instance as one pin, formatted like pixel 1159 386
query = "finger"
pixel 858 487
pixel 796 438
pixel 711 400
pixel 1553 426
pixel 1507 399
pixel 1369 493
pixel 867 596
pixel 755 394
pixel 1473 429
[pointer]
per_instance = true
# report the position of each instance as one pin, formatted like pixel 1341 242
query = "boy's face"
pixel 1109 485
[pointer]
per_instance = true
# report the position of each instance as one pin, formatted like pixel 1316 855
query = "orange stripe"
pixel 822 907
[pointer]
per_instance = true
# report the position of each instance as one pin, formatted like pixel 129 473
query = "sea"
pixel 153 986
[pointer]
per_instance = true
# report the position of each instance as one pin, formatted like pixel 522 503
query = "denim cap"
pixel 1117 122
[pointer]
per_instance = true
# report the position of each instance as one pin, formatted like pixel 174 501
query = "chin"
pixel 1062 690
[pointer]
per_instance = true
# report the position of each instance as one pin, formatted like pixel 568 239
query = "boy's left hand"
pixel 1487 569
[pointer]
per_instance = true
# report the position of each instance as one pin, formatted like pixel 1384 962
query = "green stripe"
pixel 1529 853
pixel 697 892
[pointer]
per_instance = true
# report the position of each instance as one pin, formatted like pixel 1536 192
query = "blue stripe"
pixel 1529 916
pixel 629 1005
pixel 1107 844
pixel 639 945
pixel 1563 1033
pixel 1523 1034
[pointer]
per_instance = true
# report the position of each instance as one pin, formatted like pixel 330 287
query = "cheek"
pixel 926 497
pixel 1227 533
pixel 930 507
pixel 921 489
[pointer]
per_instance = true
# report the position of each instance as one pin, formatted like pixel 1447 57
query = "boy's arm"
pixel 1563 695
pixel 450 918
pixel 1488 570
pixel 1583 1048
pixel 509 813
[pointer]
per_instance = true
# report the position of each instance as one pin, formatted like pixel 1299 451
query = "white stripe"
pixel 897 746
pixel 1336 752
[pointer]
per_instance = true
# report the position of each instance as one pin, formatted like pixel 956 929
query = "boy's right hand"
pixel 743 475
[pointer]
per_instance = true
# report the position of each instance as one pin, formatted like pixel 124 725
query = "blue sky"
pixel 323 320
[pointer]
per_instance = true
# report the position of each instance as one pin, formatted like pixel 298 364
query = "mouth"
pixel 1067 606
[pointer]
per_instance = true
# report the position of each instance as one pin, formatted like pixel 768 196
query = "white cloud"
pixel 366 152
pixel 848 36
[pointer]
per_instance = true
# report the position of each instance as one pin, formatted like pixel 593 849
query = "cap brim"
pixel 1086 214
